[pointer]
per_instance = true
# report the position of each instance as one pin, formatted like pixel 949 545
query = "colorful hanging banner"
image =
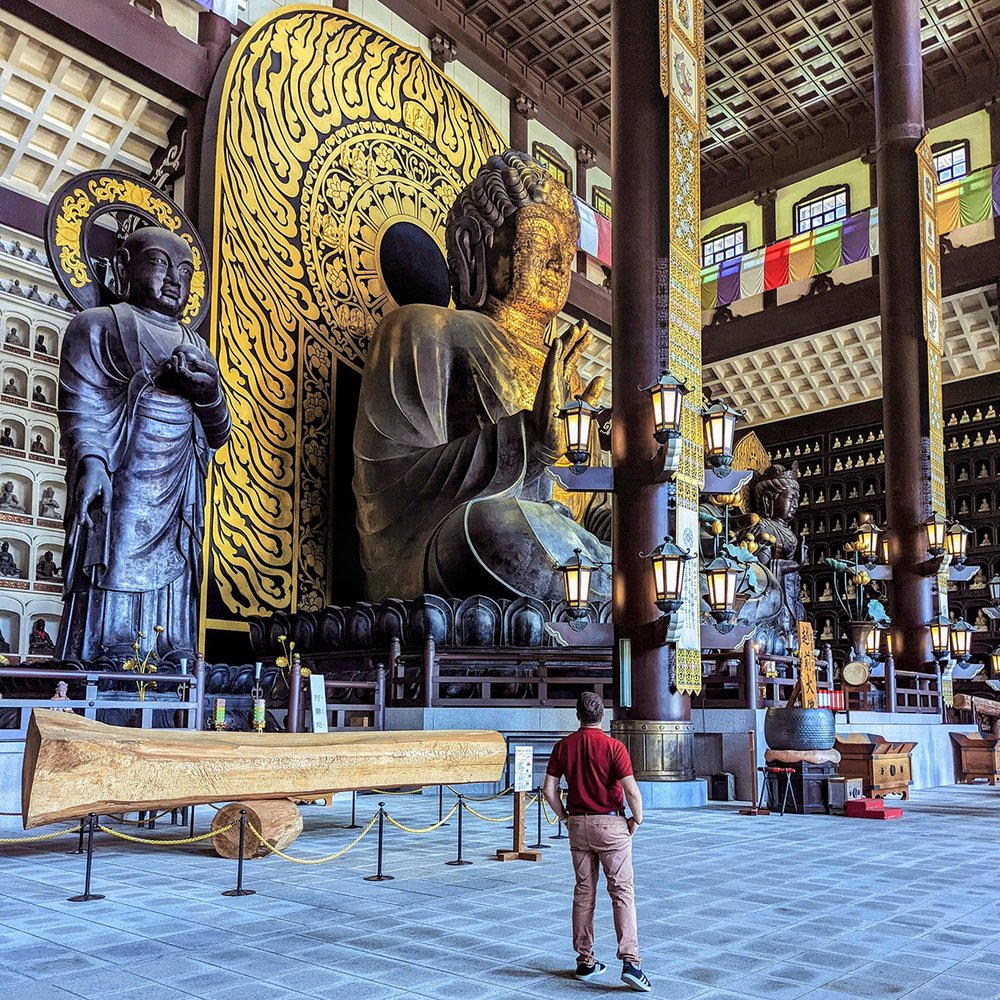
pixel 930 274
pixel 679 310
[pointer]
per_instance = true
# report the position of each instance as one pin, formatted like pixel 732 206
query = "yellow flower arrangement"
pixel 143 663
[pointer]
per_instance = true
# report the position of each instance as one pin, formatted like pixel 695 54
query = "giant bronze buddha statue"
pixel 458 417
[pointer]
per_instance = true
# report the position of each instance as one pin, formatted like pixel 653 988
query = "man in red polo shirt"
pixel 599 778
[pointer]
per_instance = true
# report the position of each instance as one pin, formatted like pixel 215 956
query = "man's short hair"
pixel 589 708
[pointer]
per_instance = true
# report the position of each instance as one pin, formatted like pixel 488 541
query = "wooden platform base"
pixel 524 855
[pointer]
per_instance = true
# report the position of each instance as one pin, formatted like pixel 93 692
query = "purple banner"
pixel 855 239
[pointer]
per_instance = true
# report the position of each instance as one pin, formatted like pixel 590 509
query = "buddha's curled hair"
pixel 505 183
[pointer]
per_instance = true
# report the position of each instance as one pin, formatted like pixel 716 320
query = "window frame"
pixel 720 233
pixel 603 194
pixel 819 195
pixel 551 158
pixel 943 149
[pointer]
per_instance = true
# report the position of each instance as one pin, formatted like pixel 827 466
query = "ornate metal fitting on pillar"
pixel 956 542
pixel 667 397
pixel 576 589
pixel 667 561
pixel 937 529
pixel 660 751
pixel 960 640
pixel 940 627
pixel 578 416
pixel 720 430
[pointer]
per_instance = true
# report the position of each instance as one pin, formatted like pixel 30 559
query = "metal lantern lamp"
pixel 940 627
pixel 956 542
pixel 885 546
pixel 994 661
pixel 578 415
pixel 722 575
pixel 667 396
pixel 719 419
pixel 888 642
pixel 868 538
pixel 937 529
pixel 873 642
pixel 994 586
pixel 667 561
pixel 576 588
pixel 960 640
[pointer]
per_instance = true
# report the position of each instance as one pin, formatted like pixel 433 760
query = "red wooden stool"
pixel 776 773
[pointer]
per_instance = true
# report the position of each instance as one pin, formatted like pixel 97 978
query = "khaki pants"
pixel 603 841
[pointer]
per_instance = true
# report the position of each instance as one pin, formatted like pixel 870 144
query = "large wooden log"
pixel 278 821
pixel 73 766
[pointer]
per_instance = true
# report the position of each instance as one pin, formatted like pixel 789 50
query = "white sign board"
pixel 523 767
pixel 317 700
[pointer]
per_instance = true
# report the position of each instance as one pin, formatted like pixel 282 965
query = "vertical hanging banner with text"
pixel 930 279
pixel 682 79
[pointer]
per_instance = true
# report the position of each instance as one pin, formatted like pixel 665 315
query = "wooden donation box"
pixel 979 756
pixel 883 767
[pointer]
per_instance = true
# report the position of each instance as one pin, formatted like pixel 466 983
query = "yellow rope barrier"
pixel 495 819
pixel 481 798
pixel 120 818
pixel 169 842
pixel 545 810
pixel 408 791
pixel 314 861
pixel 427 829
pixel 39 836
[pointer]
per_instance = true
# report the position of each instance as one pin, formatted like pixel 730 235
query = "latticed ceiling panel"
pixel 844 365
pixel 60 113
pixel 782 74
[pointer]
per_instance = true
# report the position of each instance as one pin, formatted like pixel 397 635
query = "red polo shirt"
pixel 593 764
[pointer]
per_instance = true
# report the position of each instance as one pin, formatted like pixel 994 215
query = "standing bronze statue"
pixel 140 409
pixel 458 417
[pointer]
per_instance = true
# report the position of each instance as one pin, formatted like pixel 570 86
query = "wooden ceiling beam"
pixel 962 269
pixel 121 36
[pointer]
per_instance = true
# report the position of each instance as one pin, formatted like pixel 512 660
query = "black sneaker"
pixel 635 978
pixel 592 971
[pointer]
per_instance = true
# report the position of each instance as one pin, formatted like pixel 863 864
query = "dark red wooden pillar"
pixel 769 226
pixel 655 725
pixel 899 126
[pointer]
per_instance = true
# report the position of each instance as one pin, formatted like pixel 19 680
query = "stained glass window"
pixel 724 244
pixel 820 208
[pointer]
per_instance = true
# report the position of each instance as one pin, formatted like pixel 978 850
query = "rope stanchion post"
pixel 79 843
pixel 441 819
pixel 87 895
pixel 379 875
pixel 559 835
pixel 538 845
pixel 354 812
pixel 191 827
pixel 239 890
pixel 459 861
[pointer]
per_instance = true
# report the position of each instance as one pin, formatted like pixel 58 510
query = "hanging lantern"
pixel 888 642
pixel 667 561
pixel 994 586
pixel 667 396
pixel 873 642
pixel 937 528
pixel 721 576
pixel 994 661
pixel 956 541
pixel 719 419
pixel 885 545
pixel 960 639
pixel 579 416
pixel 868 538
pixel 940 628
pixel 576 582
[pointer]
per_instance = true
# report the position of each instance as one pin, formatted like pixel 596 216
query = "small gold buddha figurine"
pixel 964 418
pixel 978 415
pixel 979 440
pixel 991 413
pixel 953 420
pixel 836 443
pixel 991 438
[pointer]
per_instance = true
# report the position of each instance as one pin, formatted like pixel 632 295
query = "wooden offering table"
pixel 979 756
pixel 884 767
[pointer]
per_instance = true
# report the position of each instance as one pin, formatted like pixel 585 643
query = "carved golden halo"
pixel 75 209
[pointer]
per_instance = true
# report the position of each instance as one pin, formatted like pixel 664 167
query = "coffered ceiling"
pixel 784 76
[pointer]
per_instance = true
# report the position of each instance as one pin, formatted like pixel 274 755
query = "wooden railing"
pixel 337 712
pixel 94 700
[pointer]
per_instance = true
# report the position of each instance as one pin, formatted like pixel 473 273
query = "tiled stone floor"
pixel 729 907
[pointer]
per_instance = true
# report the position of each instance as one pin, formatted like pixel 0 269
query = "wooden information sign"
pixel 523 765
pixel 807 666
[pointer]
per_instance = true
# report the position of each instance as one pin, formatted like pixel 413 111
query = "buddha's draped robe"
pixel 451 500
pixel 140 566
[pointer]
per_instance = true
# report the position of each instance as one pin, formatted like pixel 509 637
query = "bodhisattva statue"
pixel 458 417
pixel 140 408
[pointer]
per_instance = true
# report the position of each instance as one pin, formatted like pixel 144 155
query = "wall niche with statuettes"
pixel 843 479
